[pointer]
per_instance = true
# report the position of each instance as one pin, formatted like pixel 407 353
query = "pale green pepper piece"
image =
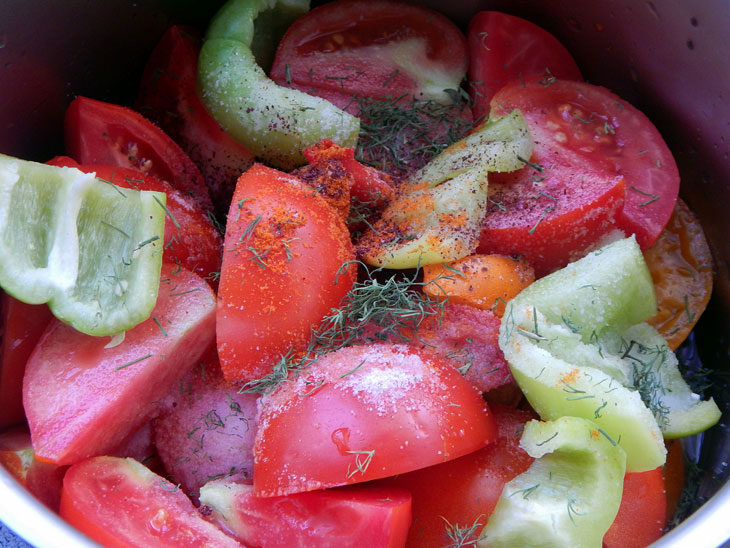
pixel 274 122
pixel 569 496
pixel 575 346
pixel 439 214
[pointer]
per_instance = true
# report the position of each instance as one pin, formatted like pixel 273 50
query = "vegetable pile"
pixel 348 277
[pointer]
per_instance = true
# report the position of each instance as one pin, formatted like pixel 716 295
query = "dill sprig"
pixel 388 306
pixel 399 135
pixel 462 535
pixel 646 363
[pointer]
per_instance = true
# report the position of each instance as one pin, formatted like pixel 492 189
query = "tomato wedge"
pixel 283 250
pixel 591 126
pixel 121 504
pixel 503 48
pixel 22 326
pixel 371 49
pixel 102 133
pixel 362 413
pixel 85 395
pixel 351 517
pixel 168 96
pixel 463 492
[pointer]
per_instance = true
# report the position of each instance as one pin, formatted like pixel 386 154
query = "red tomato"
pixel 190 238
pixel 121 504
pixel 371 49
pixel 168 96
pixel 642 515
pixel 362 413
pixel 503 48
pixel 550 217
pixel 103 133
pixel 584 124
pixel 283 248
pixel 83 398
pixel 42 479
pixel 350 517
pixel 22 326
pixel 464 491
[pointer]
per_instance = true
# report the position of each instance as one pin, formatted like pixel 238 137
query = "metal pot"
pixel 670 58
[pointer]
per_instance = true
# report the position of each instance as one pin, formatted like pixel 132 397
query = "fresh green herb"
pixel 133 362
pixel 160 326
pixel 527 491
pixel 461 536
pixel 362 462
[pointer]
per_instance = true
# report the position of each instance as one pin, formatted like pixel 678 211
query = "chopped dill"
pixel 400 135
pixel 461 536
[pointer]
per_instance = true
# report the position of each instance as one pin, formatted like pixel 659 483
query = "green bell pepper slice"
pixel 274 122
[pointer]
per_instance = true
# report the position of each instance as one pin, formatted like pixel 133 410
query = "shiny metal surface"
pixel 671 58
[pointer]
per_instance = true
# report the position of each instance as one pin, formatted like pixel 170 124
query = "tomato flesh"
pixel 283 249
pixel 121 504
pixel 464 491
pixel 84 399
pixel 350 517
pixel 362 413
pixel 372 49
pixel 503 48
pixel 596 128
pixel 102 133
pixel 22 326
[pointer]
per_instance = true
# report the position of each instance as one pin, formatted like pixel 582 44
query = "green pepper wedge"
pixel 569 496
pixel 274 122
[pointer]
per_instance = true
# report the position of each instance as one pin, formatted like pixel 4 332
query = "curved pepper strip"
pixel 274 122
pixel 569 496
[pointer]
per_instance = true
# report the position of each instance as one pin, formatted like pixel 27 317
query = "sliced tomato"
pixel 85 395
pixel 551 215
pixel 168 96
pixel 463 492
pixel 191 240
pixel 121 504
pixel 283 250
pixel 362 413
pixel 41 479
pixel 578 123
pixel 22 326
pixel 503 48
pixel 102 133
pixel 642 515
pixel 371 49
pixel 209 431
pixel 351 517
pixel 680 263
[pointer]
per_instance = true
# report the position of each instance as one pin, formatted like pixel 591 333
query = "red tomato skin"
pixel 168 96
pixel 503 48
pixel 349 517
pixel 41 479
pixel 283 249
pixel 576 209
pixel 464 491
pixel 362 413
pixel 321 53
pixel 606 134
pixel 196 244
pixel 120 504
pixel 83 399
pixel 102 133
pixel 642 515
pixel 22 326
